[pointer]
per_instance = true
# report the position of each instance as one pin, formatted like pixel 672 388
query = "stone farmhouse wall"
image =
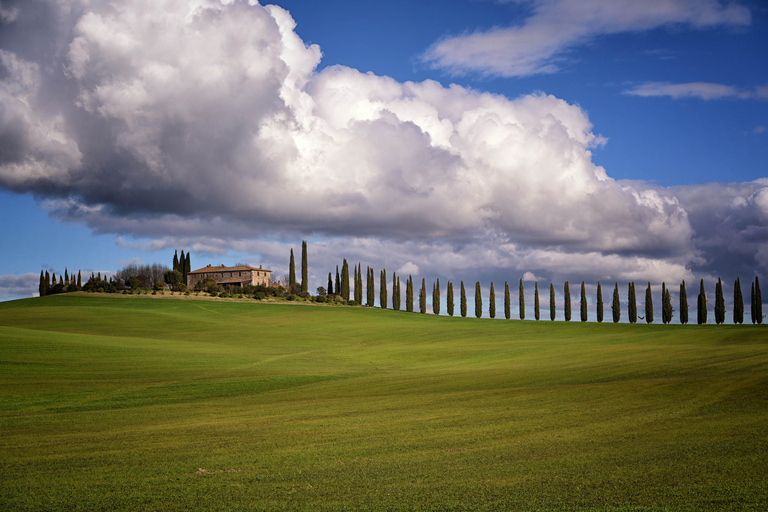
pixel 231 276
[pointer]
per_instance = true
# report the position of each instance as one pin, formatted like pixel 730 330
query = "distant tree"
pixel 738 303
pixel 329 291
pixel 66 276
pixel 683 304
pixel 359 284
pixel 345 280
pixel 79 281
pixel 616 304
pixel 41 288
pixel 182 263
pixel 449 298
pixel 478 300
pixel 632 303
pixel 423 296
pixel 383 289
pixel 701 305
pixel 536 310
pixel 395 292
pixel 567 302
pixel 552 308
pixel 507 306
pixel 719 303
pixel 492 302
pixel 521 296
pixel 758 301
pixel 436 299
pixel 463 302
pixel 47 283
pixel 599 302
pixel 172 277
pixel 409 294
pixel 752 309
pixel 187 268
pixel 667 304
pixel 663 303
pixel 304 268
pixel 648 304
pixel 583 303
pixel 133 283
pixel 371 288
pixel 175 260
pixel 337 287
pixel 292 273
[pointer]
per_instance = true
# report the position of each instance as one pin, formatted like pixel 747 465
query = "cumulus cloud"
pixel 700 90
pixel 14 286
pixel 208 123
pixel 540 44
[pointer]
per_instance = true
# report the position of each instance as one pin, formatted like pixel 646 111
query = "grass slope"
pixel 135 404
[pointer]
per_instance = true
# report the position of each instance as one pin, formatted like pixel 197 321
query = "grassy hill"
pixel 133 403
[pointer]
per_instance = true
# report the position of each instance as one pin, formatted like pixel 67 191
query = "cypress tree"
pixel 567 302
pixel 436 299
pixel 478 300
pixel 536 311
pixel 187 268
pixel 616 304
pixel 758 301
pixel 359 284
pixel 305 269
pixel 41 287
pixel 371 288
pixel 330 284
pixel 663 303
pixel 383 289
pixel 552 308
pixel 521 294
pixel 53 279
pixel 423 296
pixel 182 264
pixel 395 292
pixel 79 281
pixel 47 283
pixel 507 306
pixel 449 298
pixel 338 282
pixel 345 280
pixel 719 303
pixel 752 314
pixel 738 303
pixel 463 302
pixel 599 304
pixel 176 259
pixel 631 303
pixel 291 272
pixel 648 304
pixel 492 302
pixel 683 304
pixel 66 276
pixel 701 305
pixel 409 294
pixel 583 303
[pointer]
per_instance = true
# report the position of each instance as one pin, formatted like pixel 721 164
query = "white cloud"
pixel 530 276
pixel 208 123
pixel 700 90
pixel 19 286
pixel 541 43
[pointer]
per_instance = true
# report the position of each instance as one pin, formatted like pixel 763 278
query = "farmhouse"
pixel 242 275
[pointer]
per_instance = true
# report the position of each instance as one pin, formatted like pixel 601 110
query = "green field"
pixel 127 403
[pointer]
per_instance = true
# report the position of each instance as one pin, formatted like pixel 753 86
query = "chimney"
pixel 260 267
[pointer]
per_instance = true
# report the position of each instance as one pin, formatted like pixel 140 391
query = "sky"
pixel 475 140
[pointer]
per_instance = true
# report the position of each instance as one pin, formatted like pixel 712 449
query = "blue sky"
pixel 475 140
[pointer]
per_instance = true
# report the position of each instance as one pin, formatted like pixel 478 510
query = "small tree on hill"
pixel 738 303
pixel 383 289
pixel 567 302
pixel 436 298
pixel 683 304
pixel 492 302
pixel 632 304
pixel 478 300
pixel 719 303
pixel 616 304
pixel 463 302
pixel 345 280
pixel 423 296
pixel 409 294
pixel 507 306
pixel 599 304
pixel 292 273
pixel 536 309
pixel 701 305
pixel 330 284
pixel 449 298
pixel 648 304
pixel 583 308
pixel 395 292
pixel 552 310
pixel 521 301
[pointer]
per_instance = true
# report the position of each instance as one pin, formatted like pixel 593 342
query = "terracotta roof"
pixel 223 268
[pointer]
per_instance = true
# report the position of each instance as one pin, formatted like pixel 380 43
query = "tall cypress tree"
pixel 738 303
pixel 648 304
pixel 567 302
pixel 536 311
pixel 463 302
pixel 616 304
pixel 291 272
pixel 354 284
pixel 663 303
pixel 330 284
pixel 758 301
pixel 583 303
pixel 176 259
pixel 599 305
pixel 752 313
pixel 383 289
pixel 337 288
pixel 359 285
pixel 66 276
pixel 423 296
pixel 507 306
pixel 521 294
pixel 304 268
pixel 478 300
pixel 182 261
pixel 345 280
pixel 436 298
pixel 79 281
pixel 632 303
pixel 552 307
pixel 449 298
pixel 719 303
pixel 492 302
pixel 701 305
pixel 371 289
pixel 409 294
pixel 187 268
pixel 683 303
pixel 395 292
pixel 41 287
